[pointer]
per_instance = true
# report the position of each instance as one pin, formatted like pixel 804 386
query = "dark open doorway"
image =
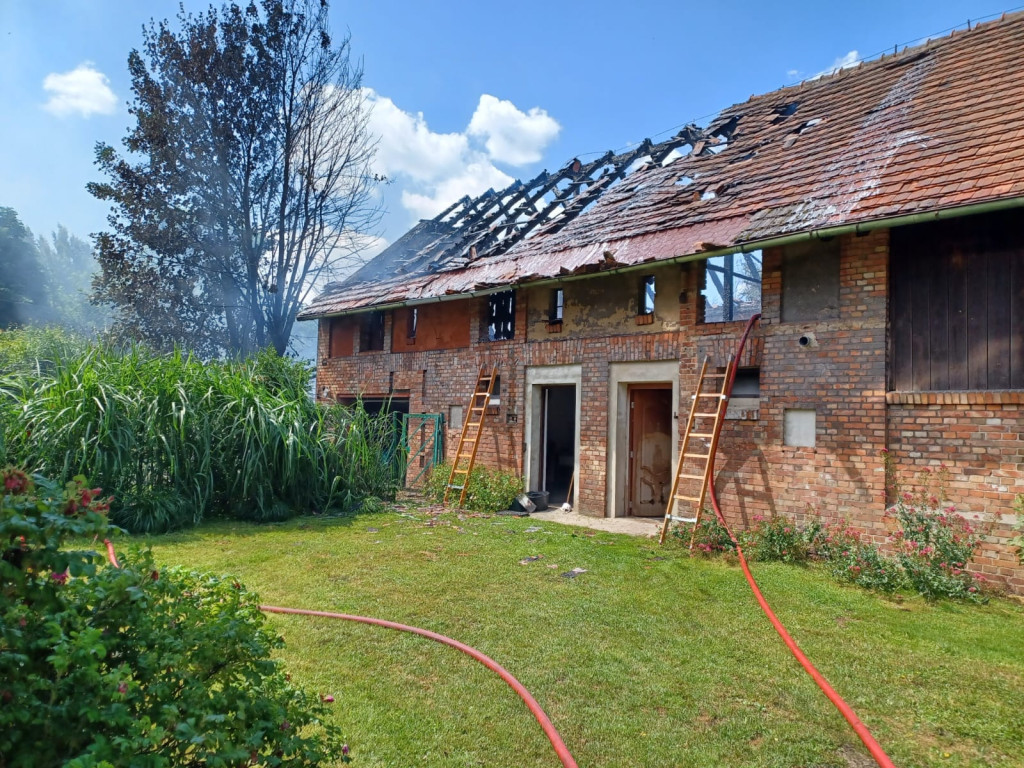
pixel 558 441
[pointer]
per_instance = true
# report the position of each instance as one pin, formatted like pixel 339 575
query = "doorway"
pixel 557 441
pixel 650 449
pixel 552 431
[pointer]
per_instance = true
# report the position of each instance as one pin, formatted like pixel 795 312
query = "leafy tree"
pixel 23 295
pixel 246 179
pixel 69 265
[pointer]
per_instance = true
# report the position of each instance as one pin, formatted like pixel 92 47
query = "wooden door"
pixel 650 449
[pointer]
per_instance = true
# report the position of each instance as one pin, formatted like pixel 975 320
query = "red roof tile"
pixel 937 126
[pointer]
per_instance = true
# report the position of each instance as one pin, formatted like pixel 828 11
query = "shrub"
pixel 176 439
pixel 933 548
pixel 106 666
pixel 712 538
pixel 850 557
pixel 776 538
pixel 489 490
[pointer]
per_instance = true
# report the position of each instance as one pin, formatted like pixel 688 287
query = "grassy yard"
pixel 649 658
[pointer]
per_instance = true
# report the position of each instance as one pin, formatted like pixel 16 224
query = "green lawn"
pixel 649 658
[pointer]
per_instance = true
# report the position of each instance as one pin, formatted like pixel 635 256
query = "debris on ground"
pixel 531 559
pixel 573 573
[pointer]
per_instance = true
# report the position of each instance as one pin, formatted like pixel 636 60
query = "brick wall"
pixel 840 375
pixel 976 436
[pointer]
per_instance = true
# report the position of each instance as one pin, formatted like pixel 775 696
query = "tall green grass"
pixel 176 440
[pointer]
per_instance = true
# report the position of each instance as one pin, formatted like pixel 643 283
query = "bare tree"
pixel 247 179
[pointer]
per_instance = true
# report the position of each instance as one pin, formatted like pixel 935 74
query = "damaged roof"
pixel 936 126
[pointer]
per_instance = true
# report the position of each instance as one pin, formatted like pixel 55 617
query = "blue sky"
pixel 466 95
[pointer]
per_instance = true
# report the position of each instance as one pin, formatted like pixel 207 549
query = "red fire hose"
pixel 845 710
pixel 549 730
pixel 561 750
pixel 535 709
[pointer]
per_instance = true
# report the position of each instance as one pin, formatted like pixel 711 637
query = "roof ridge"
pixel 912 47
pixel 908 131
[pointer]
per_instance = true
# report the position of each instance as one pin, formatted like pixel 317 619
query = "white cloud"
pixel 408 146
pixel 843 62
pixel 511 135
pixel 434 170
pixel 84 90
pixel 477 177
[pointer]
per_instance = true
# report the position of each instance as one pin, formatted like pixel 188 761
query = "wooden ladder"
pixel 707 409
pixel 469 440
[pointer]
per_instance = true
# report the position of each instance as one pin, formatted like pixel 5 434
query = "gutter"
pixel 824 233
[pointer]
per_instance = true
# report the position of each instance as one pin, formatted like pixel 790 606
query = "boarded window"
pixel 371 332
pixel 799 427
pixel 956 305
pixel 501 316
pixel 340 337
pixel 810 281
pixel 732 287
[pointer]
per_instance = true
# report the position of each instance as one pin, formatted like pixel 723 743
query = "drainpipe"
pixel 823 233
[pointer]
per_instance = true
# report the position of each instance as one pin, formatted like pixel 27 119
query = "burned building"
pixel 873 217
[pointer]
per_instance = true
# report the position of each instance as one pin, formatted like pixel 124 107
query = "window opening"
pixel 371 332
pixel 557 306
pixel 747 383
pixel 495 392
pixel 745 402
pixel 501 316
pixel 647 293
pixel 732 287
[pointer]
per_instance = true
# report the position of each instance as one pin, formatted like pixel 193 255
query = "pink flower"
pixel 60 578
pixel 328 699
pixel 344 749
pixel 16 482
pixel 122 688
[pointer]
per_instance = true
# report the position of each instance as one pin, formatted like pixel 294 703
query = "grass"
pixel 649 658
pixel 177 440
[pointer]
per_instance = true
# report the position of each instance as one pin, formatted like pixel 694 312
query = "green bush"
pixel 933 548
pixel 176 439
pixel 776 538
pixel 930 549
pixel 36 349
pixel 850 557
pixel 490 490
pixel 133 666
pixel 712 538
